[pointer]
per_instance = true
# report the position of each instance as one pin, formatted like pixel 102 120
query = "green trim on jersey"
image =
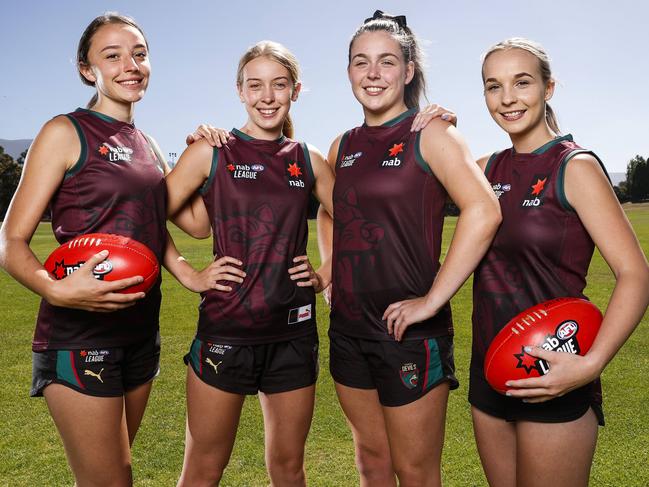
pixel 435 373
pixel 102 116
pixel 561 186
pixel 64 367
pixel 548 145
pixel 490 162
pixel 419 156
pixel 399 118
pixel 215 162
pixel 76 167
pixel 343 140
pixel 307 158
pixel 243 136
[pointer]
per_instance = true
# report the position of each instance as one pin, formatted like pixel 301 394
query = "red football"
pixel 559 325
pixel 126 258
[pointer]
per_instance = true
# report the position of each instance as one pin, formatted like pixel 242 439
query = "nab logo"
pixel 294 171
pixel 244 171
pixel 349 160
pixel 393 159
pixel 500 189
pixel 534 197
pixel 115 154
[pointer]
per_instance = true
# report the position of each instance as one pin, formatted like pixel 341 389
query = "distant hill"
pixel 15 147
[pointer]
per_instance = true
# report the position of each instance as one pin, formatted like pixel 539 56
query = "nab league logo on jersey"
pixel 115 154
pixel 409 375
pixel 392 159
pixel 245 171
pixel 501 188
pixel 534 197
pixel 349 159
pixel 294 175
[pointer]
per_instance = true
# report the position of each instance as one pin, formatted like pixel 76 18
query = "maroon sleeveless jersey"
pixel 388 219
pixel 541 250
pixel 257 197
pixel 117 186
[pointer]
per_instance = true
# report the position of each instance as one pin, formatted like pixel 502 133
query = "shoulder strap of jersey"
pixel 215 162
pixel 162 162
pixel 560 186
pixel 83 154
pixel 343 141
pixel 490 162
pixel 307 159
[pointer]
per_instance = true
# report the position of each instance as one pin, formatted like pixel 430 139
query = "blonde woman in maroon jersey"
pixel 558 205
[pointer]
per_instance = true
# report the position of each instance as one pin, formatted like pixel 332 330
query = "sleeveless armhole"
pixel 490 162
pixel 159 157
pixel 561 190
pixel 419 156
pixel 343 141
pixel 77 166
pixel 208 182
pixel 307 159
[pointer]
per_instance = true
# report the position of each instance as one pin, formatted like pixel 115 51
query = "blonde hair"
pixel 279 53
pixel 537 51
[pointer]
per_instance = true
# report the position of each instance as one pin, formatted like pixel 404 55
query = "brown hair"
pixel 279 53
pixel 537 51
pixel 400 32
pixel 86 40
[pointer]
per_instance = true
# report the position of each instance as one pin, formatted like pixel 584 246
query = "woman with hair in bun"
pixel 391 329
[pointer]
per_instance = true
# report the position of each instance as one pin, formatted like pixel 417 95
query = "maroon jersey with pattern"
pixel 541 250
pixel 117 186
pixel 388 219
pixel 257 197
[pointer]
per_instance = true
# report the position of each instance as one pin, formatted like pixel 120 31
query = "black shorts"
pixel 563 409
pixel 103 372
pixel 247 369
pixel 401 372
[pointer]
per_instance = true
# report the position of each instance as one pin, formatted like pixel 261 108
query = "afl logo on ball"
pixel 103 268
pixel 567 329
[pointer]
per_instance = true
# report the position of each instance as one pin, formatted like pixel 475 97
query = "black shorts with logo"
pixel 562 409
pixel 247 369
pixel 401 372
pixel 103 372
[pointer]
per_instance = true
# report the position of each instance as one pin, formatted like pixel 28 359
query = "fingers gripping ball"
pixel 559 325
pixel 126 258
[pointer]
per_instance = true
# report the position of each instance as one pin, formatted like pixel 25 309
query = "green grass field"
pixel 32 454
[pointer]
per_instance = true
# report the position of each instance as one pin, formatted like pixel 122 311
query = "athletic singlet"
pixel 257 197
pixel 388 219
pixel 117 186
pixel 541 250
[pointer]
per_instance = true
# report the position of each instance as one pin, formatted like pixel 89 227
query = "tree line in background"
pixel 635 189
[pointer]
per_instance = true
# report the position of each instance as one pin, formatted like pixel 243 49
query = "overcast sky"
pixel 599 50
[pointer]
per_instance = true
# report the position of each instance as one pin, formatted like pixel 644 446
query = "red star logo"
pixel 83 353
pixel 230 167
pixel 59 270
pixel 538 187
pixel 103 150
pixel 526 361
pixel 396 148
pixel 294 170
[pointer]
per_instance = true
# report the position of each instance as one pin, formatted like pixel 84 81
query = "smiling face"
pixel 516 93
pixel 379 74
pixel 118 64
pixel 267 90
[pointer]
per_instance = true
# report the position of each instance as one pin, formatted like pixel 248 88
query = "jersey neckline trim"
pixel 243 136
pixel 103 116
pixel 392 122
pixel 547 146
